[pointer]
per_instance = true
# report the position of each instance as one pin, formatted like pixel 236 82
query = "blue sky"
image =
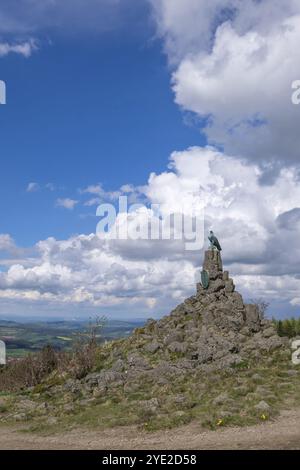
pixel 177 101
pixel 97 108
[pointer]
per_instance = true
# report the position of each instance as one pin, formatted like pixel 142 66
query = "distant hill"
pixel 21 338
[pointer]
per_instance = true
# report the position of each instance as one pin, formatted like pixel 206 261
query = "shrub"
pixel 32 369
pixel 289 327
pixel 28 371
pixel 84 356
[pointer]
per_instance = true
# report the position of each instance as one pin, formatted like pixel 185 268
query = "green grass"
pixel 245 385
pixel 15 353
pixel 200 393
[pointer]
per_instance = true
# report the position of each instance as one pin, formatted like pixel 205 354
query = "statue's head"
pixel 211 232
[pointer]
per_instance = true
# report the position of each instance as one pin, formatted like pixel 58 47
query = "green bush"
pixel 289 327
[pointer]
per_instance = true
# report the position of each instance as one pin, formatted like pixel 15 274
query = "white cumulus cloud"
pixel 258 227
pixel 32 187
pixel 66 203
pixel 22 48
pixel 234 64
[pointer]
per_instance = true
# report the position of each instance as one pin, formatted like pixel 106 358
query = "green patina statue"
pixel 214 242
pixel 212 259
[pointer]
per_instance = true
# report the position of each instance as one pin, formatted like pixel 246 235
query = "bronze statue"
pixel 214 242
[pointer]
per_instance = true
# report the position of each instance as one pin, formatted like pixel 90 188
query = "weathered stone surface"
pixel 20 417
pixel 149 406
pixel 216 286
pixel 241 390
pixel 238 300
pixel 119 366
pixel 268 332
pixel 229 286
pixel 200 289
pixel 175 336
pixel 257 377
pixel 204 354
pixel 177 347
pixel 165 369
pixel 292 373
pixel 51 421
pixel 73 386
pixel 185 363
pixel 212 263
pixel 138 362
pixel 105 377
pixel 221 399
pixel 69 408
pixel 152 347
pixel 180 399
pixel 26 405
pixel 252 317
pixel 262 406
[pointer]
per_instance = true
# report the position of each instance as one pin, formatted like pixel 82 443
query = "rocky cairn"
pixel 214 327
pixel 212 330
pixel 201 361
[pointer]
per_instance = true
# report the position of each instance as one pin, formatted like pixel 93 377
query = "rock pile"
pixel 214 329
pixel 206 355
pixel 214 325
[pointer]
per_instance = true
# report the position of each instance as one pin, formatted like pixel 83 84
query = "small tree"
pixel 85 348
pixel 262 306
pixel 288 328
pixel 280 328
pixel 298 327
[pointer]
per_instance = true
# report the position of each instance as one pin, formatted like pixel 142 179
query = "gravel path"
pixel 284 433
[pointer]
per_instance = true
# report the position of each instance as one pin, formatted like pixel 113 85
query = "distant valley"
pixel 22 338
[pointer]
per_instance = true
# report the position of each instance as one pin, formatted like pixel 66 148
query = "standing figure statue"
pixel 214 242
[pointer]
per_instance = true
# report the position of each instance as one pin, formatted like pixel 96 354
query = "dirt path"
pixel 282 434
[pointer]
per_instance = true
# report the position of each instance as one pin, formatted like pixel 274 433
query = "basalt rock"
pixel 214 327
pixel 214 330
